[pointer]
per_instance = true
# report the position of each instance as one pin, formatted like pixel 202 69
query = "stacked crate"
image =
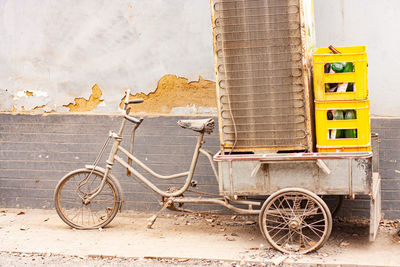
pixel 341 134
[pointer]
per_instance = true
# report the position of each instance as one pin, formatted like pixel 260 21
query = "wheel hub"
pixel 294 224
pixel 85 201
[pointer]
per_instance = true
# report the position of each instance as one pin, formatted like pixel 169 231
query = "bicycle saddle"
pixel 203 125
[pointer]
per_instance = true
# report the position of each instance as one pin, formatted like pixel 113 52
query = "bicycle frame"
pixel 189 173
pixel 170 197
pixel 114 157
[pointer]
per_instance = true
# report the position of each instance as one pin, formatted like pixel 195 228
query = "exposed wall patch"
pixel 39 107
pixel 82 105
pixel 173 92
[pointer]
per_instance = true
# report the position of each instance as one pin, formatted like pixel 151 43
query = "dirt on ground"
pixel 181 239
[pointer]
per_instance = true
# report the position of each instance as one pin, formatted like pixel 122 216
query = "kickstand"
pixel 153 218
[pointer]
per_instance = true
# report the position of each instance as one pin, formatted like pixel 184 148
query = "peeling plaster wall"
pixel 376 25
pixel 177 95
pixel 59 50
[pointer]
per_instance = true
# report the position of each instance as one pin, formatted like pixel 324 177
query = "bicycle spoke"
pixel 277 226
pixel 279 231
pixel 269 220
pixel 322 220
pixel 290 207
pixel 92 215
pixel 289 236
pixel 283 237
pixel 313 230
pixel 308 201
pixel 82 214
pixel 310 241
pixel 312 212
pixel 77 213
pixel 282 216
pixel 270 213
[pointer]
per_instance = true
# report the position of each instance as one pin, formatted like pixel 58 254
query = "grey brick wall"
pixel 36 151
pixel 389 134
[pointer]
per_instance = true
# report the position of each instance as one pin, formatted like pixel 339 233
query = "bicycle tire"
pixel 286 216
pixel 69 204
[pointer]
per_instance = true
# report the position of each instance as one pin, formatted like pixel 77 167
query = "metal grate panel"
pixel 260 74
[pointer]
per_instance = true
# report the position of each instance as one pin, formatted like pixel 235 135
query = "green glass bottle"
pixel 350 87
pixel 338 67
pixel 338 115
pixel 350 115
pixel 349 68
pixel 329 115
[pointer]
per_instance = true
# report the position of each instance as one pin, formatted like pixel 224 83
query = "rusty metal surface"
pixel 289 156
pixel 351 193
pixel 375 207
pixel 375 150
pixel 222 202
pixel 262 86
pixel 350 173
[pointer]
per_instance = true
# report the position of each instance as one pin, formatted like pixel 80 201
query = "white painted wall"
pixel 60 49
pixel 375 24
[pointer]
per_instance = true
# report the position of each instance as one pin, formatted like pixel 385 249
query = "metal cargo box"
pixel 262 51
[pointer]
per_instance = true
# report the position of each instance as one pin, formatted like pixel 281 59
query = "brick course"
pixel 36 151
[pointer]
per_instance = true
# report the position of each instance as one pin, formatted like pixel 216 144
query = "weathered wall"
pixel 74 56
pixel 60 50
pixel 36 151
pixel 376 25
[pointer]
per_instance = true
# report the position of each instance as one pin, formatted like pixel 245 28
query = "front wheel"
pixel 74 188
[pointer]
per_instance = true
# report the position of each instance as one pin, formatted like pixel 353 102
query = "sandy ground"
pixel 187 237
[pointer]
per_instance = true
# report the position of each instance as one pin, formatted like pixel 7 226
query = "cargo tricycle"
pixel 294 218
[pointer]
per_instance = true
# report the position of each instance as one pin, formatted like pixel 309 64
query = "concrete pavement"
pixel 187 236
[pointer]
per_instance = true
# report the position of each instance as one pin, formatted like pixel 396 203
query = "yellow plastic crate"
pixel 362 124
pixel 345 149
pixel 355 54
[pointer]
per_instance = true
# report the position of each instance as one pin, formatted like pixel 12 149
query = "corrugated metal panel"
pixel 259 54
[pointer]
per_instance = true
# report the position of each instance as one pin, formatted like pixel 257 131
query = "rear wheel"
pixel 294 220
pixel 334 203
pixel 74 188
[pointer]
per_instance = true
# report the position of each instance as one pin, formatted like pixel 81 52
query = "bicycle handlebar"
pixel 132 101
pixel 135 101
pixel 133 119
pixel 127 108
pixel 127 95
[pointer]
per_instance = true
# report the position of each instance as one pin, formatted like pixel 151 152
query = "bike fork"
pixel 110 163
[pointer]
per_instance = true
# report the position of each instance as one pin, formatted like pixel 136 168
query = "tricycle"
pixel 294 218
